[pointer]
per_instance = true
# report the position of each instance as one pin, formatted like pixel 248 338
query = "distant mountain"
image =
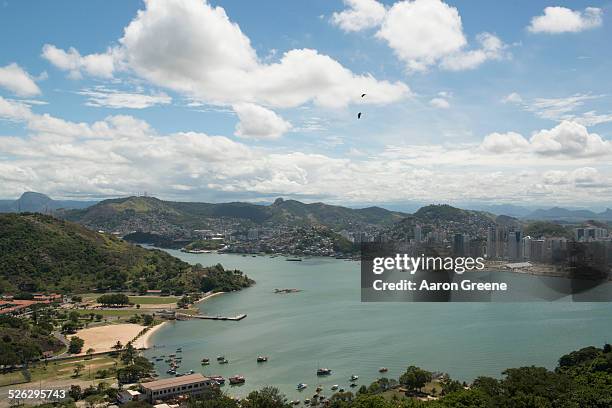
pixel 445 217
pixel 563 214
pixel 446 213
pixel 149 213
pixel 41 253
pixel 36 202
pixel 502 209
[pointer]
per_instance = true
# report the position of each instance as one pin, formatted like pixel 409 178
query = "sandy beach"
pixel 208 296
pixel 145 341
pixel 103 338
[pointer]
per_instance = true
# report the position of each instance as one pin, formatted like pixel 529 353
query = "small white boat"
pixel 354 377
pixel 301 386
pixel 334 387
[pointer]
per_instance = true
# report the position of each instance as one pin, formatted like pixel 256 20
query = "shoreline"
pixel 206 297
pixel 145 339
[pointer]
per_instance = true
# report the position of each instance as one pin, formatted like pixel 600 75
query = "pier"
pixel 206 317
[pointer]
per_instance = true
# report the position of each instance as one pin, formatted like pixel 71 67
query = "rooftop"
pixel 174 382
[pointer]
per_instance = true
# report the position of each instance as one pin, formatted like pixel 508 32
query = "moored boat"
pixel 218 379
pixel 301 386
pixel 354 377
pixel 262 359
pixel 383 369
pixel 334 387
pixel 237 379
pixel 324 371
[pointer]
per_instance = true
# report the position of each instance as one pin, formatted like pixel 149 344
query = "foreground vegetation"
pixel 22 341
pixel 582 378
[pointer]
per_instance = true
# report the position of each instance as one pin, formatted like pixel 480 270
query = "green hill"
pixel 41 253
pixel 149 213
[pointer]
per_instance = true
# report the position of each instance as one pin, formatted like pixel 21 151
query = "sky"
pixel 191 100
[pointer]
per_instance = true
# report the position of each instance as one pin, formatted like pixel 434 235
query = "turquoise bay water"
pixel 326 325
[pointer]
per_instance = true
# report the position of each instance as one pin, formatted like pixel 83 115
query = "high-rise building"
pixel 492 247
pixel 458 245
pixel 514 245
pixel 418 233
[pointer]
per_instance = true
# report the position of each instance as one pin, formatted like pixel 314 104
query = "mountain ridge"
pixel 31 201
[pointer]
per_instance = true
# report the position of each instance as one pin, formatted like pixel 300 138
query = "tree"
pixel 267 397
pixel 75 392
pixel 450 385
pixel 69 328
pixel 74 316
pixel 128 354
pixel 147 320
pixel 89 352
pixel 118 346
pixel 114 299
pixel 78 368
pixel 76 345
pixel 415 378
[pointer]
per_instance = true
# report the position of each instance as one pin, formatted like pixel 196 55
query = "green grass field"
pixel 110 313
pixel 153 300
pixel 62 369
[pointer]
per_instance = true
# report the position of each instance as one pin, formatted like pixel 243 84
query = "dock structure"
pixel 206 317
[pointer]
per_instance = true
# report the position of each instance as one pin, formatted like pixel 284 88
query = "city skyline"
pixel 466 102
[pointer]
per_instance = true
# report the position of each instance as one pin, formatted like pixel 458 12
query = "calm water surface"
pixel 326 325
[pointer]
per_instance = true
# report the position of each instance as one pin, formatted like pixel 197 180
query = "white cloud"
pixel 207 57
pixel 491 48
pixel 504 143
pixel 100 65
pixel 592 118
pixel 558 108
pixel 258 122
pixel 18 81
pixel 563 108
pixel 14 110
pixel 422 33
pixel 360 15
pixel 556 20
pixel 583 177
pixel 569 139
pixel 439 103
pixel 513 98
pixel 115 99
pixel 121 155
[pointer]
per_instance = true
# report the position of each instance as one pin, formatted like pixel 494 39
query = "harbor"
pixel 206 317
pixel 305 331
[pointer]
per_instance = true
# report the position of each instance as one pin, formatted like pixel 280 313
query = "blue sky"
pixel 503 102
